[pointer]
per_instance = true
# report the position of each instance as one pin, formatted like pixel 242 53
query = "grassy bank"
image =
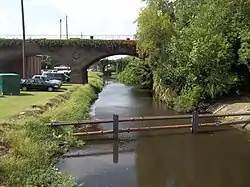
pixel 34 147
pixel 14 105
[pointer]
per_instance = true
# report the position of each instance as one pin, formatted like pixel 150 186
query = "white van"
pixel 62 69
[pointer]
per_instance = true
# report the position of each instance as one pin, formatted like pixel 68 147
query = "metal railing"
pixel 99 37
pixel 195 125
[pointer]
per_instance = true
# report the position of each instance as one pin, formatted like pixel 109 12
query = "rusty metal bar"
pixel 223 115
pixel 147 118
pixel 128 130
pixel 217 124
pixel 100 132
pixel 83 122
pixel 154 118
pixel 133 119
pixel 141 129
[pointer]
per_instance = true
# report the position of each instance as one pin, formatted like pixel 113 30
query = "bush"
pixel 136 73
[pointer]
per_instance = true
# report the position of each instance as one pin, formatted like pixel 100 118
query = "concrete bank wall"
pixel 233 105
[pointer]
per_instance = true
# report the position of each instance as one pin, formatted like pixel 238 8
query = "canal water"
pixel 157 159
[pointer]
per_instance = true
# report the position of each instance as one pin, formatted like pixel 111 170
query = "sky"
pixel 104 19
pixel 89 17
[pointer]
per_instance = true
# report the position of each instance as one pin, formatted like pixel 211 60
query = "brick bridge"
pixel 101 65
pixel 79 54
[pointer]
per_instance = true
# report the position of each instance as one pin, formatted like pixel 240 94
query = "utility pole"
pixel 60 29
pixel 67 31
pixel 23 43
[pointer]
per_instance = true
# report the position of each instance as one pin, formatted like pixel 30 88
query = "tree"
pixel 198 48
pixel 46 61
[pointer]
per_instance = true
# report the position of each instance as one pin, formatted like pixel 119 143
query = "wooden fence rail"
pixel 195 125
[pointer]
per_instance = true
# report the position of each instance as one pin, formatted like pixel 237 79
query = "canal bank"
pixel 159 159
pixel 224 105
pixel 34 147
pixel 237 104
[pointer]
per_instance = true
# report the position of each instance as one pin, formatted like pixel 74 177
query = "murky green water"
pixel 158 159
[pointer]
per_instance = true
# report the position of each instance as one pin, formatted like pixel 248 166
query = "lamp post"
pixel 60 29
pixel 67 29
pixel 23 43
pixel 66 26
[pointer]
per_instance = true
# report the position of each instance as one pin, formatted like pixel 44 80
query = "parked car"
pixel 37 84
pixel 56 76
pixel 47 79
pixel 22 80
pixel 52 71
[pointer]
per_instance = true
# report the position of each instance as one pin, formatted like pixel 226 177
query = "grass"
pixel 13 105
pixel 34 146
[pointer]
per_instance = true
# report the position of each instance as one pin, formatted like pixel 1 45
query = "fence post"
pixel 195 121
pixel 115 126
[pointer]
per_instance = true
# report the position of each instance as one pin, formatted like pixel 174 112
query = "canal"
pixel 164 159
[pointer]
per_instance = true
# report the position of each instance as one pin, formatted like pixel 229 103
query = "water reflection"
pixel 193 160
pixel 219 159
pixel 115 151
pixel 173 158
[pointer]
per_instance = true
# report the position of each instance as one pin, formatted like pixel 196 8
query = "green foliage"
pixel 35 146
pixel 198 49
pixel 46 61
pixel 84 43
pixel 187 99
pixel 136 73
pixel 244 51
pixel 121 63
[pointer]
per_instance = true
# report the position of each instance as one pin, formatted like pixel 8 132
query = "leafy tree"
pixel 137 73
pixel 46 61
pixel 198 48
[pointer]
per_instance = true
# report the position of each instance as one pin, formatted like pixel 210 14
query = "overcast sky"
pixel 91 17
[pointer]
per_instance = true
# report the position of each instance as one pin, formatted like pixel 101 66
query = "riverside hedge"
pixel 35 147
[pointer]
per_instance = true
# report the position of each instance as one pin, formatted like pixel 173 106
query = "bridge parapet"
pixel 98 37
pixel 104 45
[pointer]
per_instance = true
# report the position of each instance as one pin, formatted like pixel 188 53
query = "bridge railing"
pixel 195 125
pixel 99 37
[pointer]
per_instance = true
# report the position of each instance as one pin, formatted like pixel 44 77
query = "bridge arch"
pixel 78 54
pixel 98 58
pixel 95 59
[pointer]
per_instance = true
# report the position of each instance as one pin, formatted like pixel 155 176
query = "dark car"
pixel 57 76
pixel 37 84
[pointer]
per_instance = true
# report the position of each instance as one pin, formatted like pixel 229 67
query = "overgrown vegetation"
pixel 135 73
pixel 198 50
pixel 108 45
pixel 35 147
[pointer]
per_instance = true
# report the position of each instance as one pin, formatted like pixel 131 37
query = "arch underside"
pixel 98 58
